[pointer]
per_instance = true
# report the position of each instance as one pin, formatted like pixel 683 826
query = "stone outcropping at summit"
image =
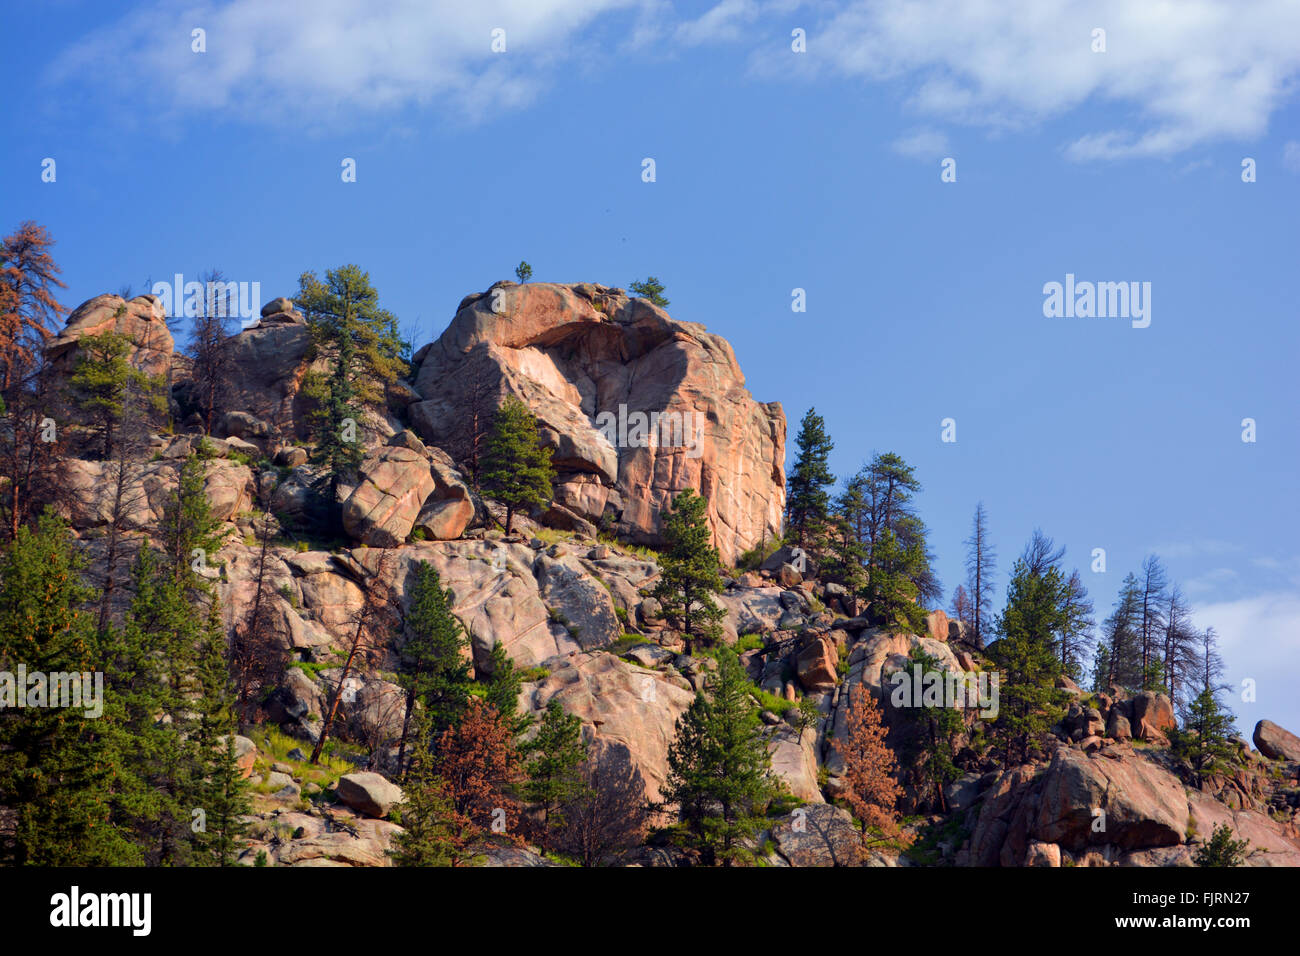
pixel 581 356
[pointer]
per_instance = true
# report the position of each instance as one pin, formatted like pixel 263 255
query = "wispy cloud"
pixel 922 144
pixel 1291 156
pixel 1260 641
pixel 315 60
pixel 1190 73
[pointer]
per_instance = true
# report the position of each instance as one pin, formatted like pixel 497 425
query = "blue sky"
pixel 775 170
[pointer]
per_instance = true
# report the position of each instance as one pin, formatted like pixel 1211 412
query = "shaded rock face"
pixel 576 355
pixel 268 361
pixel 141 320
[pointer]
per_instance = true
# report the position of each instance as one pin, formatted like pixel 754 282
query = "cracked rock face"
pixel 588 361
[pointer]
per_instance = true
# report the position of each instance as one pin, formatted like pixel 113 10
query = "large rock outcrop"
pixel 588 361
pixel 141 320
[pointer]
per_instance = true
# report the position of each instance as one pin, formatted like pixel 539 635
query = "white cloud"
pixel 1260 640
pixel 313 60
pixel 923 144
pixel 722 22
pixel 1189 73
pixel 1291 156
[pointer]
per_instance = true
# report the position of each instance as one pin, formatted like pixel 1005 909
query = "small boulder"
pixel 369 794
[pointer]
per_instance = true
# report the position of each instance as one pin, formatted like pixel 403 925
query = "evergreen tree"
pixel 58 766
pixel 689 572
pixel 889 488
pixel 1076 628
pixel 891 591
pixel 1029 702
pixel 504 681
pixel 433 669
pixel 718 768
pixel 651 289
pixel 362 346
pixel 846 554
pixel 1151 624
pixel 1222 849
pixel 220 791
pixel 434 833
pixel 557 753
pixel 160 644
pixel 107 389
pixel 938 728
pixel 807 502
pixel 1204 741
pixel 517 471
pixel 1122 638
pixel 190 533
pixel 523 272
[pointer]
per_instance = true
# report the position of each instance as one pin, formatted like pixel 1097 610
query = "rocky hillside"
pixel 568 595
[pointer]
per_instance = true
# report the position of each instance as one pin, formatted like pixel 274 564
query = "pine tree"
pixel 363 347
pixel 220 791
pixel 1029 702
pixel 718 768
pixel 807 503
pixel 891 592
pixel 190 534
pixel 938 727
pixel 433 669
pixel 58 766
pixel 517 471
pixel 980 566
pixel 889 488
pixel 1122 638
pixel 1204 740
pixel 434 833
pixel 870 788
pixel 160 644
pixel 1151 624
pixel 1180 666
pixel 651 289
pixel 107 389
pixel 1076 628
pixel 557 753
pixel 846 554
pixel 1222 850
pixel 961 608
pixel 523 272
pixel 689 571
pixel 501 691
